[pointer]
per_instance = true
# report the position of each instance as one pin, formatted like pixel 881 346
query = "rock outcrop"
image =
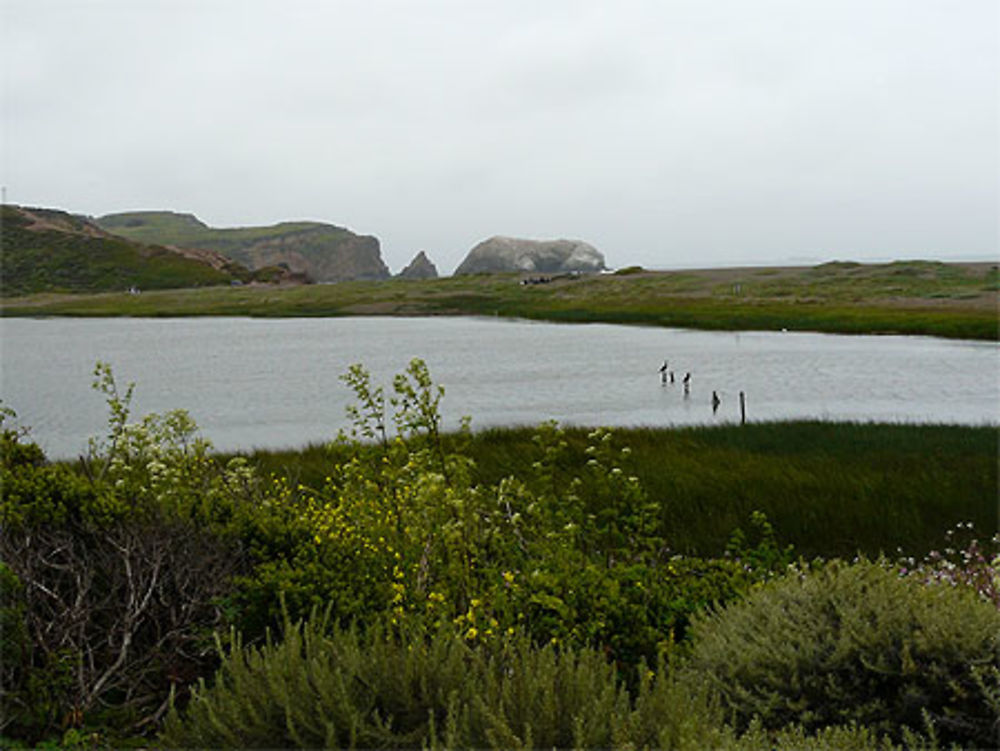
pixel 419 268
pixel 545 256
pixel 322 252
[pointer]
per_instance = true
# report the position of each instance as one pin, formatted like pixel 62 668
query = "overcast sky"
pixel 667 133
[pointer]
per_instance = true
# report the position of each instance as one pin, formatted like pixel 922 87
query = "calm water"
pixel 273 383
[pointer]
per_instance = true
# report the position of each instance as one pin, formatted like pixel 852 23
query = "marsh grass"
pixel 831 489
pixel 914 297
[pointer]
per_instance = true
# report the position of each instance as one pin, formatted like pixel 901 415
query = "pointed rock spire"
pixel 419 268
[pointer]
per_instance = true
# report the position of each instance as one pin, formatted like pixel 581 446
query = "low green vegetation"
pixel 854 644
pixel 404 588
pixel 68 257
pixel 185 230
pixel 836 489
pixel 912 297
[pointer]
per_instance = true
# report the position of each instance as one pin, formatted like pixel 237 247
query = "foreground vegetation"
pixel 402 588
pixel 835 489
pixel 906 297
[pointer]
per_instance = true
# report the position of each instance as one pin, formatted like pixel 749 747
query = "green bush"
pixel 111 574
pixel 839 738
pixel 407 688
pixel 323 687
pixel 398 527
pixel 856 644
pixel 515 611
pixel 340 689
pixel 633 613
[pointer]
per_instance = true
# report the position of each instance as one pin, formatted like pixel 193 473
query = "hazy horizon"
pixel 670 134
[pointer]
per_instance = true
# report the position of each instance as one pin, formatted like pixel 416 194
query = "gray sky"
pixel 667 133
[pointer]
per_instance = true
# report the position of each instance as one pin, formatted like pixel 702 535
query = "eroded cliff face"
pixel 546 256
pixel 322 252
pixel 322 255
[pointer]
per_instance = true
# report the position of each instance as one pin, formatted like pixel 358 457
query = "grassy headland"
pixel 46 250
pixel 323 252
pixel 955 300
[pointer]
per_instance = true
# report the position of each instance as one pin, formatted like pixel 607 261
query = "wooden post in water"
pixel 743 408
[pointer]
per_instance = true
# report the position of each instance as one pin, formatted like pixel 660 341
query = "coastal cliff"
pixel 322 252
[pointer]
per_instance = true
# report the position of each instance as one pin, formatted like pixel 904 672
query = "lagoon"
pixel 276 382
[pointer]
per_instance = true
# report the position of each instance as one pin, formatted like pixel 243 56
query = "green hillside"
pixel 44 250
pixel 186 230
pixel 324 252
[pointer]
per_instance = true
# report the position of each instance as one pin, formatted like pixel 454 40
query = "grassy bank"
pixel 914 297
pixel 52 250
pixel 834 489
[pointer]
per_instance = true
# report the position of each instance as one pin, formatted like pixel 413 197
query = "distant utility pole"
pixel 3 195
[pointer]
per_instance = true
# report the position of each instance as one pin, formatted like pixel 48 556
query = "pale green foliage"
pixel 368 417
pixel 856 643
pixel 6 413
pixel 765 557
pixel 159 462
pixel 400 689
pixel 338 689
pixel 119 406
pixel 417 401
pixel 618 520
pixel 405 509
pixel 834 738
pixel 399 528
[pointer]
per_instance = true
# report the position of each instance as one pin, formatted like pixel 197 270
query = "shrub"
pixel 338 688
pixel 856 644
pixel 964 563
pixel 633 613
pixel 629 270
pixel 398 527
pixel 113 574
pixel 410 688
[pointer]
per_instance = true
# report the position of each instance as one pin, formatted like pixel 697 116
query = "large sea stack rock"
pixel 323 252
pixel 419 268
pixel 545 256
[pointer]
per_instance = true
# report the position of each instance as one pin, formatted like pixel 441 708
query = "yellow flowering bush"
pixel 399 530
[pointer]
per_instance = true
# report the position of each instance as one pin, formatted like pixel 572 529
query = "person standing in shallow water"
pixel 663 372
pixel 687 383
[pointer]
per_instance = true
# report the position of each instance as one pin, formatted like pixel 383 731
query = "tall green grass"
pixel 831 489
